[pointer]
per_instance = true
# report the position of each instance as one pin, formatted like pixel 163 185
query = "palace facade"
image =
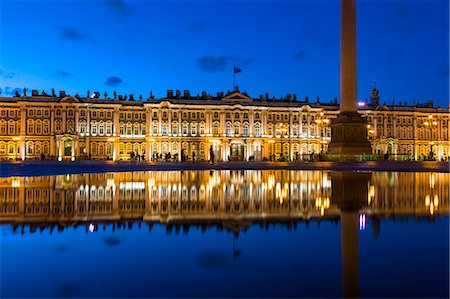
pixel 231 126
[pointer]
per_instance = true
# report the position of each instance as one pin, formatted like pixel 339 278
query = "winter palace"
pixel 229 126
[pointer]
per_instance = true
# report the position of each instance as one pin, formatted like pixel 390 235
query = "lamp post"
pixel 283 131
pixel 322 122
pixel 430 123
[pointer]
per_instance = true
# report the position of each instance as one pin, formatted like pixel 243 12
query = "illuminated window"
pixel 245 129
pixel 193 128
pixel 202 129
pixel 121 129
pixel 257 130
pixel 228 130
pixel 3 127
pixel 109 128
pixel 101 128
pixel 216 129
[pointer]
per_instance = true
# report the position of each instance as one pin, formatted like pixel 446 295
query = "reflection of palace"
pixel 211 196
pixel 234 125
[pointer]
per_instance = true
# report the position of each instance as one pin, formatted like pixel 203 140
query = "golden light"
pixel 15 183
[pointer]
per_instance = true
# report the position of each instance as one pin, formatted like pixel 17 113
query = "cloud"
pixel 63 74
pixel 119 6
pixel 443 71
pixel 214 63
pixel 76 35
pixel 7 75
pixel 113 81
pixel 196 26
pixel 245 61
pixel 299 56
pixel 409 30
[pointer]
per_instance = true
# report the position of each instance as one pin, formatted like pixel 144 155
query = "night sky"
pixel 281 46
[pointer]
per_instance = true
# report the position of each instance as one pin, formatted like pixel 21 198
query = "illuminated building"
pixel 233 126
pixel 203 196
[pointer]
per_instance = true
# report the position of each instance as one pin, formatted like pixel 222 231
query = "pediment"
pixel 69 100
pixel 382 108
pixel 237 97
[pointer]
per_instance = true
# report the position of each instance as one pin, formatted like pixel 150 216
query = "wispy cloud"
pixel 210 63
pixel 197 26
pixel 76 35
pixel 119 6
pixel 299 56
pixel 113 81
pixel 7 74
pixel 443 71
pixel 214 63
pixel 63 74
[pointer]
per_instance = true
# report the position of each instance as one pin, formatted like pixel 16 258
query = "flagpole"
pixel 234 76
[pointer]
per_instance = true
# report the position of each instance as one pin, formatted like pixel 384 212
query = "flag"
pixel 237 69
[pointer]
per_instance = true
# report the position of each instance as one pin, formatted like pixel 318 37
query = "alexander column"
pixel 349 129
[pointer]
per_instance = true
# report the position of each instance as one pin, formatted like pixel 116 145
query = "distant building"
pixel 231 126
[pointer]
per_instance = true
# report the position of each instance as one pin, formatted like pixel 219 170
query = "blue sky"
pixel 281 46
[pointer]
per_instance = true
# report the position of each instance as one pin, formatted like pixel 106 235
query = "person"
pixel 386 156
pixel 182 156
pixel 211 155
pixel 193 156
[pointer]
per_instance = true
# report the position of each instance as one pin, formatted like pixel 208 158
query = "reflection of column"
pixel 349 253
pixel 349 192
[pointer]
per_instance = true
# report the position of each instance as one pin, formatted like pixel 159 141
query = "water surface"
pixel 225 234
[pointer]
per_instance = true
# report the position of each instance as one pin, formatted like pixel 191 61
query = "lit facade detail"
pixel 234 125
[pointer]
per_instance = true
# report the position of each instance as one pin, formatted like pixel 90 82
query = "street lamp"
pixel 283 131
pixel 430 123
pixel 322 122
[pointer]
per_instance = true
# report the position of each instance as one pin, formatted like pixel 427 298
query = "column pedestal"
pixel 349 135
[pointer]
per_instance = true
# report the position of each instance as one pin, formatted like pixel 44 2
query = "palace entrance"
pixel 237 152
pixel 67 149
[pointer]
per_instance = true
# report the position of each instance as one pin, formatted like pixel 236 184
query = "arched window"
pixel 11 127
pixel 143 130
pixel 46 127
pixel 30 127
pixel 216 128
pixel 228 130
pixel 101 128
pixel 129 131
pixel 245 129
pixel 155 128
pixel 165 129
pixel 202 129
pixel 109 128
pixel 237 128
pixel 94 128
pixel 257 129
pixel 184 128
pixel 38 127
pixel 193 128
pixel 94 149
pixel 101 150
pixel 136 129
pixel 122 129
pixel 174 128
